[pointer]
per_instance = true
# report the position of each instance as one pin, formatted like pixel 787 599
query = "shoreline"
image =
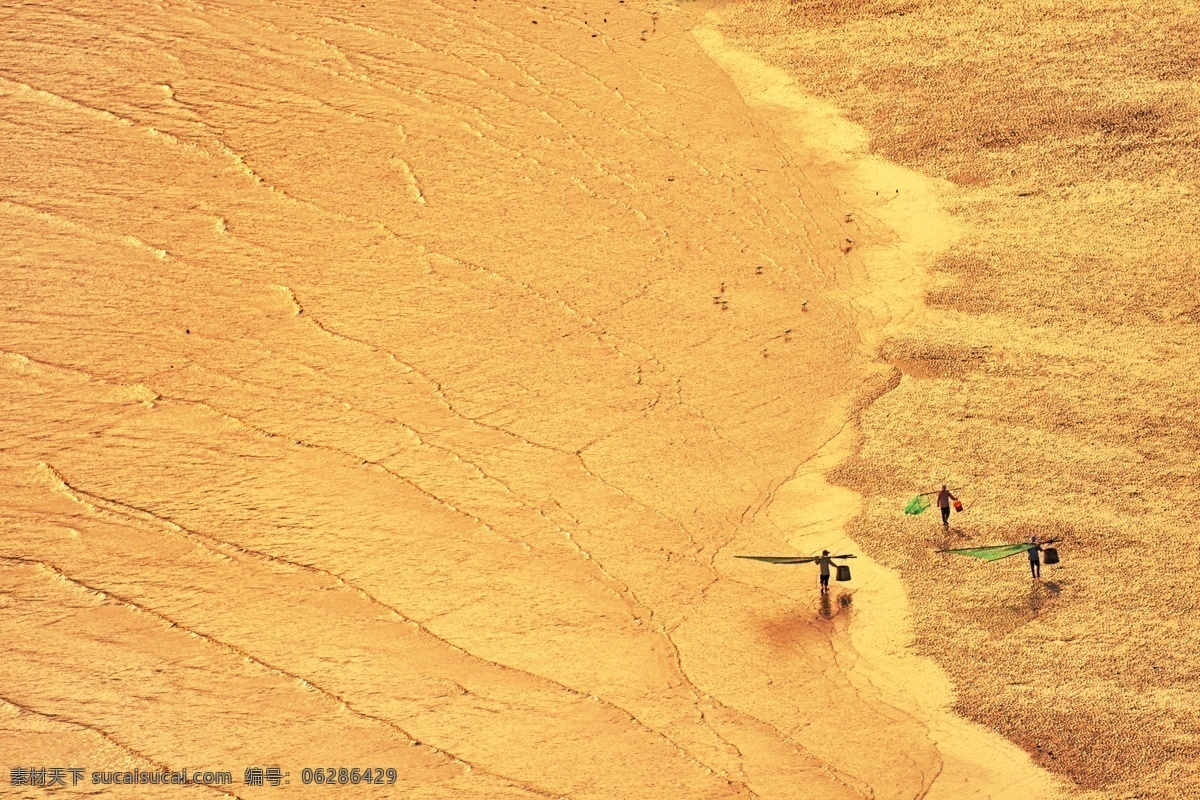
pixel 889 280
pixel 1053 373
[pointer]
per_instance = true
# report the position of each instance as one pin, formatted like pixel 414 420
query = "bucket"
pixel 1050 555
pixel 843 572
pixel 958 505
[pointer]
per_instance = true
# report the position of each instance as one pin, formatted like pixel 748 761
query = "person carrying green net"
pixel 943 503
pixel 1035 558
pixel 826 562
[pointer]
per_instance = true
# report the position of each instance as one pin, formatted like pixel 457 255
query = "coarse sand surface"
pixel 1054 373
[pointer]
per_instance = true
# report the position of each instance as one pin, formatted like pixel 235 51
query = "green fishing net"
pixel 993 552
pixel 791 559
pixel 917 505
pixel 783 559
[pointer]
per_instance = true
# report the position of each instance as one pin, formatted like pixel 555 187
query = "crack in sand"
pixel 104 505
pixel 107 594
pixel 213 544
pixel 158 766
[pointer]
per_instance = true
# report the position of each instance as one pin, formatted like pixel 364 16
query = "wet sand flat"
pixel 391 385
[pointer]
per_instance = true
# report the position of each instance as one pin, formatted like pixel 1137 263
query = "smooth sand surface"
pixel 391 385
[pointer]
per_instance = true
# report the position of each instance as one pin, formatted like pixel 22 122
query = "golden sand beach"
pixel 1054 371
pixel 390 386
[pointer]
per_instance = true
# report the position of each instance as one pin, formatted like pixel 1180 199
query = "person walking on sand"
pixel 825 561
pixel 943 502
pixel 1035 558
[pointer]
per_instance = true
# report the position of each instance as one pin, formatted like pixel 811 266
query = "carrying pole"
pixel 926 494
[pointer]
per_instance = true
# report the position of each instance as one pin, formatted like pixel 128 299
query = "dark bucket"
pixel 843 572
pixel 1050 556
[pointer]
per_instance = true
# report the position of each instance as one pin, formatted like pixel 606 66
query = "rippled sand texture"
pixel 1055 375
pixel 365 402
